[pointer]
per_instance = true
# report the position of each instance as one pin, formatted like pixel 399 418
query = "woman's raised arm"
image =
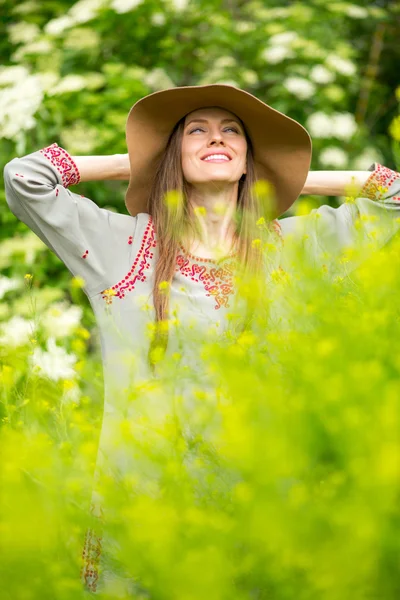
pixel 100 168
pixel 335 183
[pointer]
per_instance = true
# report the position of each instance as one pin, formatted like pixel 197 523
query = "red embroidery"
pixel 84 255
pixel 378 183
pixel 18 175
pixel 56 192
pixel 129 281
pixel 91 559
pixel 217 280
pixel 64 164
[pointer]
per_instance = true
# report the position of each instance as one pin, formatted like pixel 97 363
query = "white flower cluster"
pixel 279 47
pixel 124 6
pixel 26 246
pixel 22 32
pixel 7 284
pixel 16 332
pixel 321 74
pixel 157 79
pixel 341 65
pixel 356 12
pixel 55 363
pixel 338 125
pixel 158 18
pixel 19 100
pixel 81 12
pixel 333 156
pixel 300 87
pixel 61 319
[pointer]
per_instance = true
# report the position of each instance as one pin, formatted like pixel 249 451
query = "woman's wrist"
pixel 101 168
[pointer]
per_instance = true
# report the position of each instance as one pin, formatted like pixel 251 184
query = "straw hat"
pixel 282 147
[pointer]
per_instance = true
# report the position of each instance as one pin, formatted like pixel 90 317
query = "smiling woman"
pixel 214 159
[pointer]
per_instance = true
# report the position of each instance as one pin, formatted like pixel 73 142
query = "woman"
pixel 210 144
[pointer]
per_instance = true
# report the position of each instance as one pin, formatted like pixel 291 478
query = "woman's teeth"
pixel 216 157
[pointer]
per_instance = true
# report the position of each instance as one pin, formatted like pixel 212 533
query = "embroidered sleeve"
pixel 340 239
pixel 64 164
pixel 382 185
pixel 91 241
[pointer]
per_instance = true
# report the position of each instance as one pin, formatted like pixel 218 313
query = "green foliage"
pixel 271 470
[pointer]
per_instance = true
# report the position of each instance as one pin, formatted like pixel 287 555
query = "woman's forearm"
pixel 100 168
pixel 335 183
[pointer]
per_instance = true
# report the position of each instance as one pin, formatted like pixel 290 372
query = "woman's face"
pixel 214 147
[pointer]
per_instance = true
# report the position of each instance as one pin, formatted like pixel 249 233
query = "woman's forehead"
pixel 210 112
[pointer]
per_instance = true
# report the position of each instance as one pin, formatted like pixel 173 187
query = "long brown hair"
pixel 168 205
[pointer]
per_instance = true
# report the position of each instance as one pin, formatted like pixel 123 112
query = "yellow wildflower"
pixel 394 129
pixel 77 282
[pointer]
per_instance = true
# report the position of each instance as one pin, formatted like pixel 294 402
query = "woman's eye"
pixel 200 129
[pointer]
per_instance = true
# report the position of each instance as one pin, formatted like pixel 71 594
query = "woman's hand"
pixel 335 183
pixel 101 168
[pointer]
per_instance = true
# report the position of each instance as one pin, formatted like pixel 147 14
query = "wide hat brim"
pixel 282 147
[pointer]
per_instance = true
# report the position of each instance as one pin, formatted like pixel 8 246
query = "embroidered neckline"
pixel 217 275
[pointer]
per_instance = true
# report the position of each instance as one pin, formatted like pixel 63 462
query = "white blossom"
pixel 16 332
pixel 39 47
pixel 276 54
pixel 223 62
pixel 59 25
pixel 158 18
pixel 334 157
pixel 48 80
pixel 124 6
pixel 319 125
pixel 302 88
pixel 356 12
pixel 54 363
pixel 179 4
pixel 22 32
pixel 18 104
pixel 339 125
pixel 344 126
pixel 321 74
pixel 85 10
pixel 61 320
pixel 341 65
pixel 7 284
pixel 69 83
pixel 249 77
pixel 12 75
pixel 245 26
pixel 157 79
pixel 283 39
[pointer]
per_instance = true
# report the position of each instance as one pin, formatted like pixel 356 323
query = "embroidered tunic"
pixel 115 254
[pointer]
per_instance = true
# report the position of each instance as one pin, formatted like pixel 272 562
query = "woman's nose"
pixel 216 139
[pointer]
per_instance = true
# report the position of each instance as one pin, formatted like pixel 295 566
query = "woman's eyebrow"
pixel 205 121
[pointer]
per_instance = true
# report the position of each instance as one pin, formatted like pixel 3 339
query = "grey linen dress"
pixel 115 254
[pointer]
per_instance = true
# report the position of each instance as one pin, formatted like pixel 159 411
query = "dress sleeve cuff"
pixel 63 162
pixel 379 182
